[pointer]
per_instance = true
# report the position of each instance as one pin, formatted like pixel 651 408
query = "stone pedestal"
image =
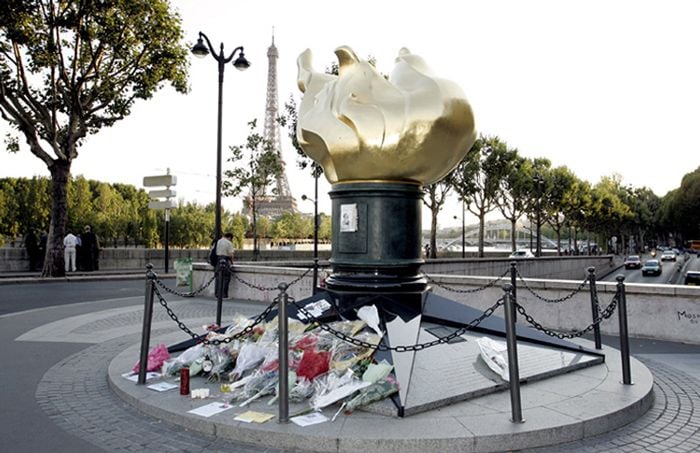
pixel 376 238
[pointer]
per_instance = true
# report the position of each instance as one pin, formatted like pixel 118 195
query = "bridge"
pixel 497 233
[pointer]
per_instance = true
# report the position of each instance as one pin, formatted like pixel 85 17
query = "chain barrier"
pixel 606 313
pixel 467 291
pixel 190 294
pixel 552 301
pixel 402 348
pixel 270 288
pixel 246 331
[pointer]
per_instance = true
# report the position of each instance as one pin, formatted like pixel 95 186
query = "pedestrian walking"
pixel 70 242
pixel 224 250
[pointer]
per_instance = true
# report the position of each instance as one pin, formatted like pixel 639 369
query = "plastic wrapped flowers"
pixel 323 369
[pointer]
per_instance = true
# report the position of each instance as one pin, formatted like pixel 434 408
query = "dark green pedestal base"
pixel 376 238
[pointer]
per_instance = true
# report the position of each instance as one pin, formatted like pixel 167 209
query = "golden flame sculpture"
pixel 361 126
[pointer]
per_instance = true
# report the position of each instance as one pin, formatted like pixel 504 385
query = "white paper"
pixel 494 354
pixel 309 419
pixel 338 394
pixel 348 218
pixel 162 386
pixel 369 314
pixel 315 309
pixel 134 377
pixel 210 409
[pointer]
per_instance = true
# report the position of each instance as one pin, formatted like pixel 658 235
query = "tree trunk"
pixel 433 232
pixel 54 264
pixel 558 230
pixel 482 214
pixel 513 234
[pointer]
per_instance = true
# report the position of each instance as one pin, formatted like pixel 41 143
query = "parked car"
pixel 668 255
pixel 523 253
pixel 633 262
pixel 651 267
pixel 692 278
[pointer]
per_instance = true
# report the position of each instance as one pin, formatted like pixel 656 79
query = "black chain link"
pixel 605 314
pixel 402 348
pixel 246 331
pixel 553 301
pixel 467 291
pixel 270 288
pixel 177 293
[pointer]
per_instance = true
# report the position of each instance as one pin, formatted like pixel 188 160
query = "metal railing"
pixel 509 301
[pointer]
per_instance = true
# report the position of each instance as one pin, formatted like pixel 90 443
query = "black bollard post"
pixel 624 335
pixel 220 289
pixel 147 319
pixel 513 369
pixel 315 277
pixel 283 333
pixel 513 280
pixel 594 307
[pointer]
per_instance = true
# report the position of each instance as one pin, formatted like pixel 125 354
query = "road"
pixel 671 272
pixel 31 422
pixel 30 296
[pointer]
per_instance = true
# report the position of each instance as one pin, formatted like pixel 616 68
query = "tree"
pixel 435 198
pixel 259 170
pixel 561 183
pixel 68 69
pixel 476 179
pixel 513 191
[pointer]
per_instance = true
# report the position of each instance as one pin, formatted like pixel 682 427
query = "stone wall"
pixel 16 259
pixel 663 312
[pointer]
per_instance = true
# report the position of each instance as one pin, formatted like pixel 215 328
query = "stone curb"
pixel 479 425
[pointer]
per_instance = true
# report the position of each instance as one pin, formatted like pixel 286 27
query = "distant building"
pixel 281 201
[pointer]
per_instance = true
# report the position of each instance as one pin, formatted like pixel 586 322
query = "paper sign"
pixel 348 218
pixel 163 386
pixel 309 419
pixel 252 416
pixel 210 409
pixel 134 377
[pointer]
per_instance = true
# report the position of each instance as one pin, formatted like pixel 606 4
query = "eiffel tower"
pixel 282 201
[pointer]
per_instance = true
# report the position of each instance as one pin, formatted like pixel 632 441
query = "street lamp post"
pixel 315 200
pixel 464 242
pixel 539 181
pixel 201 50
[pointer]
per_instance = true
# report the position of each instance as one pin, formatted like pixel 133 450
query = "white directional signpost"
pixel 162 199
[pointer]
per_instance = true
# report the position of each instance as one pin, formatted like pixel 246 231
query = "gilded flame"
pixel 361 126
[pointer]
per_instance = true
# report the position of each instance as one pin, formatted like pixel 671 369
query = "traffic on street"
pixel 642 269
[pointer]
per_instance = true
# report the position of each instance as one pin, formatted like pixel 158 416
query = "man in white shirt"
pixel 224 250
pixel 69 244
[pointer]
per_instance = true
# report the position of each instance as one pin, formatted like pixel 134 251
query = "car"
pixel 692 278
pixel 523 253
pixel 633 262
pixel 668 255
pixel 651 267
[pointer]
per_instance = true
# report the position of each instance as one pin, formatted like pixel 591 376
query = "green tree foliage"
pixel 68 69
pixel 561 184
pixel 477 179
pixel 257 167
pixel 435 198
pixel 292 225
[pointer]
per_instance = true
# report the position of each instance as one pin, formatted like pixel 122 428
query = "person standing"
pixel 89 249
pixel 69 244
pixel 32 245
pixel 224 250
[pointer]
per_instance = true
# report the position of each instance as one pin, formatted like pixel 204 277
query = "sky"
pixel 602 87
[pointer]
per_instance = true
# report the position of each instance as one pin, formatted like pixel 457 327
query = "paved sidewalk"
pixel 72 393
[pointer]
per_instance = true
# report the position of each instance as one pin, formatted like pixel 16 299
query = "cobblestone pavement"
pixel 76 396
pixel 671 425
